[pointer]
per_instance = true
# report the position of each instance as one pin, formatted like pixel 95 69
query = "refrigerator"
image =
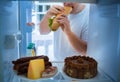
pixel 103 41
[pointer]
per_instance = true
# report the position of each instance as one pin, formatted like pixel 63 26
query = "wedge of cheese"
pixel 35 68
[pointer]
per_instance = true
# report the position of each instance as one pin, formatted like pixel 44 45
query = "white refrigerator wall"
pixel 8 43
pixel 104 38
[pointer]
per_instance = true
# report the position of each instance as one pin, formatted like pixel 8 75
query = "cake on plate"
pixel 81 67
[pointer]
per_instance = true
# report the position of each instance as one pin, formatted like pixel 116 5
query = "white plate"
pixel 23 77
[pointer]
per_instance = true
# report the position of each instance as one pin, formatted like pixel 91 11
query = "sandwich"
pixel 53 24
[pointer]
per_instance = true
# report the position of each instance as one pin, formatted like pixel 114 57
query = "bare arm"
pixel 78 44
pixel 44 29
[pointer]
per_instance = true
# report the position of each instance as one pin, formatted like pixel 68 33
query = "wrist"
pixel 69 33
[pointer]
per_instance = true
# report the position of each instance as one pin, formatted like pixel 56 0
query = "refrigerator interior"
pixel 104 39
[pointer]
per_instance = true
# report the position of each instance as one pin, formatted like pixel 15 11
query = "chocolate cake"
pixel 81 67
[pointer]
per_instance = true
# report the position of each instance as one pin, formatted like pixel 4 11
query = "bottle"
pixel 31 50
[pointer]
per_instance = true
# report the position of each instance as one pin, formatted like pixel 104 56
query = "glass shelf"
pixel 62 77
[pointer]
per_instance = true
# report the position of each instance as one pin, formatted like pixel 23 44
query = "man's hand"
pixel 64 23
pixel 30 24
pixel 54 10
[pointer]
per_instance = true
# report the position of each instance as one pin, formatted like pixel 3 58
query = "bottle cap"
pixel 31 46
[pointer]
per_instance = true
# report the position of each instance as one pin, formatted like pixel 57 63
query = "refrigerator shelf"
pixel 62 77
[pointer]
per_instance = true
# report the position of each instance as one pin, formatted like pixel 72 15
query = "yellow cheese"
pixel 35 69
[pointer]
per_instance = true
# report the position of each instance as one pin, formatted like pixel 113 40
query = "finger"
pixel 59 18
pixel 62 18
pixel 60 21
pixel 63 15
pixel 65 22
pixel 61 24
pixel 55 11
pixel 59 8
pixel 68 4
